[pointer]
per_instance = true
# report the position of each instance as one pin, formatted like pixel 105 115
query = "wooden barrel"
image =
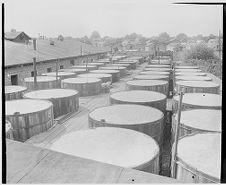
pixel 122 70
pixel 64 100
pixel 151 77
pixel 14 92
pixel 197 87
pixel 148 98
pixel 115 74
pixel 85 86
pixel 128 67
pixel 8 130
pixel 98 64
pixel 43 82
pixel 198 101
pixel 88 67
pixel 165 62
pixel 147 120
pixel 199 158
pixel 186 67
pixel 29 117
pixel 155 73
pixel 193 78
pixel 74 70
pixel 158 66
pixel 189 74
pixel 157 69
pixel 133 63
pixel 103 76
pixel 148 85
pixel 126 64
pixel 61 75
pixel 197 121
pixel 117 146
pixel 188 70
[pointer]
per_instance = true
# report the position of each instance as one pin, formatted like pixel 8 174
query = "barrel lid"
pixel 105 71
pixel 81 80
pixel 190 74
pixel 186 67
pixel 193 78
pixel 25 106
pixel 73 70
pixel 14 88
pixel 50 93
pixel 157 69
pixel 83 66
pixel 95 75
pixel 126 114
pixel 197 84
pixel 59 73
pixel 202 152
pixel 150 77
pixel 114 68
pixel 202 119
pixel 147 82
pixel 201 99
pixel 138 96
pixel 188 70
pixel 116 146
pixel 154 72
pixel 158 66
pixel 41 79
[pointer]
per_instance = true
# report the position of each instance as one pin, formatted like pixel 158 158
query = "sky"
pixel 114 18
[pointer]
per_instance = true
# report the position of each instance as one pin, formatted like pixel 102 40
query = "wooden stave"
pixel 133 64
pixel 89 68
pixel 82 88
pixel 9 133
pixel 166 78
pixel 158 88
pixel 24 129
pixel 115 76
pixel 62 77
pixel 188 89
pixel 128 65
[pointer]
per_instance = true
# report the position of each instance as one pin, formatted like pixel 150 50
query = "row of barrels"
pixel 131 125
pixel 28 121
pixel 199 146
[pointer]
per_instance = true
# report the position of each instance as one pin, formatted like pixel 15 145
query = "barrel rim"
pixel 160 82
pixel 73 80
pixel 22 89
pixel 197 84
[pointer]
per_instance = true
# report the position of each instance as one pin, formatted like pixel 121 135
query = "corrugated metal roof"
pixel 13 34
pixel 19 53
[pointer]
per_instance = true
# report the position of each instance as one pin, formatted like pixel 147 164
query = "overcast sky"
pixel 114 18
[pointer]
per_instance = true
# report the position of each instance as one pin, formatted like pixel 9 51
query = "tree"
pixel 164 37
pixel 95 35
pixel 182 37
pixel 200 51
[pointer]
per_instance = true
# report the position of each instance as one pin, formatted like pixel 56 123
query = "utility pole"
pixel 35 73
pixel 219 40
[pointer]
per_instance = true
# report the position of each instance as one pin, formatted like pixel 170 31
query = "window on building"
pixel 32 73
pixel 49 69
pixel 61 67
pixel 14 79
pixel 72 62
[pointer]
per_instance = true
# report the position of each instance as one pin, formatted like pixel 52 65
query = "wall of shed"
pixel 25 71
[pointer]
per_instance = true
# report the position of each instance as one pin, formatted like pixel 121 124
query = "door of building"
pixel 14 79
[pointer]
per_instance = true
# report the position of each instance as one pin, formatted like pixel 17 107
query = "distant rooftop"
pixel 14 34
pixel 20 53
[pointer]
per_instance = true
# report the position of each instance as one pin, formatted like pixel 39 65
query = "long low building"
pixel 19 57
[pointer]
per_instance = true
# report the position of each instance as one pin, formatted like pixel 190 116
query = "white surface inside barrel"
pixel 81 80
pixel 150 77
pixel 117 146
pixel 197 84
pixel 14 88
pixel 138 96
pixel 25 106
pixel 202 119
pixel 202 152
pixel 147 82
pixel 193 78
pixel 126 114
pixel 184 73
pixel 51 93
